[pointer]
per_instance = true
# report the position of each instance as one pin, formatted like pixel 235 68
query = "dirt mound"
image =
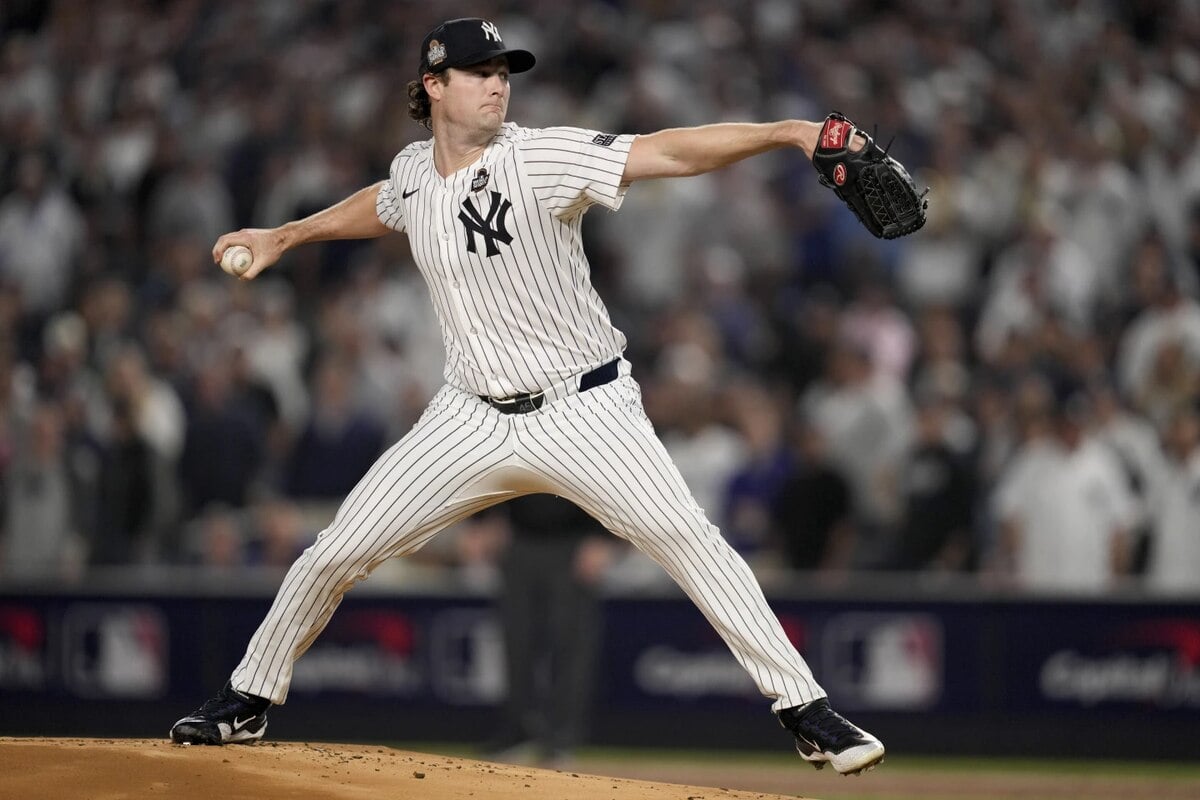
pixel 115 769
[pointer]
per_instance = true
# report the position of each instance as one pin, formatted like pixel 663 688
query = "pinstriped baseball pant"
pixel 595 448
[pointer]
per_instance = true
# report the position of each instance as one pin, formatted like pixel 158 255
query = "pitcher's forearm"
pixel 680 152
pixel 352 218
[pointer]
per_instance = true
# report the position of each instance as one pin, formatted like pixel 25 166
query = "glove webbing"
pixel 888 199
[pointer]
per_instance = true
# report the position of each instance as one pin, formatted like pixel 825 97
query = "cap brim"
pixel 518 60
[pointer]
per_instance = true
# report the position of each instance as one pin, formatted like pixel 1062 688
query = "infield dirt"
pixel 116 769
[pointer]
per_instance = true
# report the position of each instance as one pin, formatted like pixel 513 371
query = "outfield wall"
pixel 972 675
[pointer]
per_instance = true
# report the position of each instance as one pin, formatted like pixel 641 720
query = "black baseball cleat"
pixel 229 718
pixel 825 736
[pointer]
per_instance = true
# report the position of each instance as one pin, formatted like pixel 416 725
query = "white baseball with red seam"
pixel 236 260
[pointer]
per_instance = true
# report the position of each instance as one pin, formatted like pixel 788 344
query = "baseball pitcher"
pixel 538 397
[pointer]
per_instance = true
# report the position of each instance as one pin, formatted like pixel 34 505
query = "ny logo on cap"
pixel 490 31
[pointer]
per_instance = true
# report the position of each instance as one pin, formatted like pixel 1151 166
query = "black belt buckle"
pixel 525 403
pixel 517 404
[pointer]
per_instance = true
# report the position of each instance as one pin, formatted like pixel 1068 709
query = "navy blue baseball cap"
pixel 467 41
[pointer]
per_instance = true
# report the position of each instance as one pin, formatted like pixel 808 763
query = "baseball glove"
pixel 876 187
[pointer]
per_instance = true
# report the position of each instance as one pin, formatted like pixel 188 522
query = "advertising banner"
pixel 67 661
pixel 1074 658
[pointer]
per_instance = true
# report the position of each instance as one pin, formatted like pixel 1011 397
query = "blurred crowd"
pixel 1010 395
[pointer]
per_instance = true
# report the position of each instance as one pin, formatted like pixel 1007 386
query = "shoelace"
pixel 226 700
pixel 828 728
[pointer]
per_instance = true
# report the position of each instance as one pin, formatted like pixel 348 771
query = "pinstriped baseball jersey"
pixel 499 245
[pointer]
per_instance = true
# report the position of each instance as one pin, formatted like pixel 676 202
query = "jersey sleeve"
pixel 572 168
pixel 387 203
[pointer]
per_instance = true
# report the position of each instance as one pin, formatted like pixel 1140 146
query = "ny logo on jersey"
pixel 490 31
pixel 490 227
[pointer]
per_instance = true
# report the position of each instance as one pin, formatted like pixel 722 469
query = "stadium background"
pixel 171 438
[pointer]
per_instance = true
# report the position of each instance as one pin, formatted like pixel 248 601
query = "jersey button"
pixel 455 284
pixel 445 236
pixel 474 331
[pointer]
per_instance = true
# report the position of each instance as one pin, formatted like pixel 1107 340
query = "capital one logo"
pixel 23 658
pixel 490 31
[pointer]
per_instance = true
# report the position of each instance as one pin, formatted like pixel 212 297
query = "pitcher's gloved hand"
pixel 876 187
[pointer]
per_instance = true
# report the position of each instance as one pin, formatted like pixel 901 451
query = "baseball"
pixel 236 260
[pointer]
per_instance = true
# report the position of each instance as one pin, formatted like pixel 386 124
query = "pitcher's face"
pixel 476 97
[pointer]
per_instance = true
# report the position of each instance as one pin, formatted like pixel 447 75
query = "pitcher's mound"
pixel 114 769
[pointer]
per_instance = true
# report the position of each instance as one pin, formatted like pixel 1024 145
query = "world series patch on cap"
pixel 467 41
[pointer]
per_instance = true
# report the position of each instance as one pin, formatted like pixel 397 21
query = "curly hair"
pixel 418 101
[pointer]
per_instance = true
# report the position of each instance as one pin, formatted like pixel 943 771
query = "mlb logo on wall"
pixel 466 657
pixel 114 650
pixel 887 662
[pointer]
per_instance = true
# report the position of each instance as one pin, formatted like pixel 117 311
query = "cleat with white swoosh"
pixel 824 736
pixel 232 717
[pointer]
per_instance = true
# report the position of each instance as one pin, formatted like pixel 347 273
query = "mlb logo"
pixel 115 650
pixel 887 662
pixel 466 656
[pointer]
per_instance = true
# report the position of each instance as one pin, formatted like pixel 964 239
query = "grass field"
pixel 902 777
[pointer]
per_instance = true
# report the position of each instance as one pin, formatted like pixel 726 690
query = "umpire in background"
pixel 549 605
